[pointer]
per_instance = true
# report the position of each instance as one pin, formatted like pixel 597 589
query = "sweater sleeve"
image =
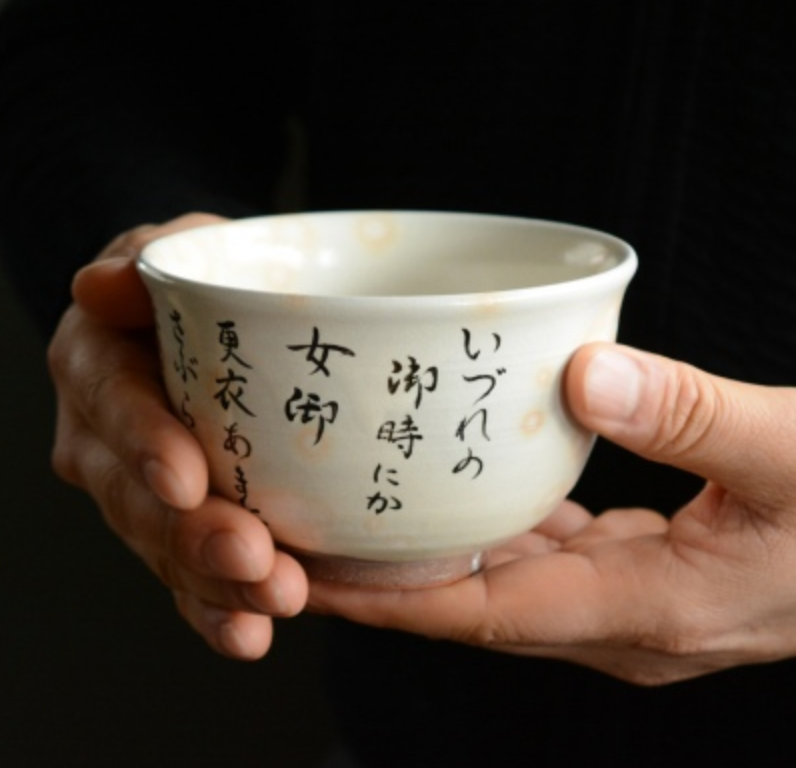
pixel 118 114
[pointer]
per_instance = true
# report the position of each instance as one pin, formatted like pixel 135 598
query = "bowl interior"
pixel 385 254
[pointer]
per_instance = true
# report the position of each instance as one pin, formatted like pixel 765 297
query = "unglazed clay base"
pixel 369 574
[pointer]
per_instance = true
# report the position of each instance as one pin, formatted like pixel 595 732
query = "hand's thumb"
pixel 738 435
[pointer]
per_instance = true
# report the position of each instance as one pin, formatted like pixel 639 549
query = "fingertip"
pixel 87 281
pixel 181 490
pixel 172 462
pixel 283 593
pixel 603 385
pixel 111 290
pixel 293 583
pixel 236 556
pixel 244 637
pixel 237 635
pixel 575 373
pixel 566 520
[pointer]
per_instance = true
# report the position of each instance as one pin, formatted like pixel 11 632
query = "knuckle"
pixel 688 409
pixel 650 676
pixel 167 572
pixel 686 635
pixel 97 391
pixel 130 243
pixel 58 356
pixel 110 486
pixel 181 602
pixel 169 534
pixel 478 634
pixel 494 631
pixel 245 597
pixel 497 632
pixel 197 219
pixel 64 463
pixel 674 645
pixel 67 456
pixel 148 531
pixel 134 242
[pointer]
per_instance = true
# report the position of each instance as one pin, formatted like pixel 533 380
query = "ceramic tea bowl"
pixel 383 389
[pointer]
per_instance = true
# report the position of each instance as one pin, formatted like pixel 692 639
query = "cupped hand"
pixel 628 592
pixel 117 439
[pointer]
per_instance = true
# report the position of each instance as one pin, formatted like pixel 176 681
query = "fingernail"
pixel 112 263
pixel 232 642
pixel 271 602
pixel 165 483
pixel 87 272
pixel 613 386
pixel 228 556
pixel 218 621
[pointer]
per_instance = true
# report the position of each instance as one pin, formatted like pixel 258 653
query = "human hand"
pixel 117 439
pixel 628 592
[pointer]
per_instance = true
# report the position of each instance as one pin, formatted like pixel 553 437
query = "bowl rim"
pixel 614 276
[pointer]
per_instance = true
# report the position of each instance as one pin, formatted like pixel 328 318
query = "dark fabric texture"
pixel 671 125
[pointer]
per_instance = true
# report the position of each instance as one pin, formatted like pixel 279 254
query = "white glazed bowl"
pixel 384 388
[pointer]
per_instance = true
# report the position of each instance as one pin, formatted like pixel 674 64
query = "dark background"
pixel 96 668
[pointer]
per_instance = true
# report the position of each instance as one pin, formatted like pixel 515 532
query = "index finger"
pixel 112 379
pixel 111 290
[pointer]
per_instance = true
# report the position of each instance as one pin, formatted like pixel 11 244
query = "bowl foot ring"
pixel 370 574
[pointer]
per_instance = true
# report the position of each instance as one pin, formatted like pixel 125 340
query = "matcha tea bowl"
pixel 383 389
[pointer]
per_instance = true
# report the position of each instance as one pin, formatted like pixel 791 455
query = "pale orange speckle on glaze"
pixel 544 378
pixel 581 446
pixel 532 422
pixel 291 230
pixel 284 507
pixel 278 277
pixel 376 231
pixel 297 301
pixel 306 445
pixel 604 327
pixel 488 304
pixel 375 524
